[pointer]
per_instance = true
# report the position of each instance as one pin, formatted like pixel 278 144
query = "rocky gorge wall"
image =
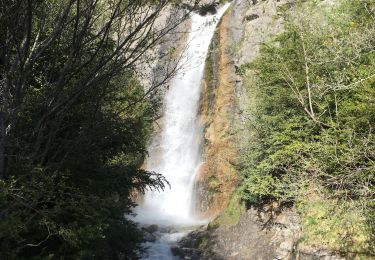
pixel 241 31
pixel 218 178
pixel 266 232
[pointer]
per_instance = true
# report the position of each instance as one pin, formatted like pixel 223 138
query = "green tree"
pixel 74 124
pixel 311 126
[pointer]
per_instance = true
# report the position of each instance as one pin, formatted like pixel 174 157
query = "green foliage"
pixel 73 207
pixel 75 152
pixel 213 184
pixel 48 217
pixel 232 213
pixel 311 120
pixel 336 226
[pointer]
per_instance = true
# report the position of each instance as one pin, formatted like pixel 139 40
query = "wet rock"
pixel 186 253
pixel 149 237
pixel 274 235
pixel 180 229
pixel 165 230
pixel 150 233
pixel 152 228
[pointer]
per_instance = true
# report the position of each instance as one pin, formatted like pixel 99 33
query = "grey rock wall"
pixel 270 232
pixel 260 234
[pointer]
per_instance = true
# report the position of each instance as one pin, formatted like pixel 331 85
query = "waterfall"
pixel 176 153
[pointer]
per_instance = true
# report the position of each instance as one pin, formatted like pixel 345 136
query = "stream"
pixel 177 151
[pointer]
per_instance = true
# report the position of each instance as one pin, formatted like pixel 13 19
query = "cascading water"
pixel 178 155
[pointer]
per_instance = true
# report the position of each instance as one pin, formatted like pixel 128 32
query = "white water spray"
pixel 178 155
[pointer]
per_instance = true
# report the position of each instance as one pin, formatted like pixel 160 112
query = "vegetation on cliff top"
pixel 311 124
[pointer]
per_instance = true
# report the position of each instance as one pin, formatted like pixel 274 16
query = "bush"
pixel 311 122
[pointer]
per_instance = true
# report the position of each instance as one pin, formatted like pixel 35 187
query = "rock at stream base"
pixel 263 233
pixel 151 233
pixel 148 237
pixel 186 253
pixel 152 228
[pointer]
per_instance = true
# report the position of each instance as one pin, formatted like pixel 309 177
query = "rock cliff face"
pixel 161 63
pixel 242 30
pixel 261 234
pixel 218 178
pixel 268 232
